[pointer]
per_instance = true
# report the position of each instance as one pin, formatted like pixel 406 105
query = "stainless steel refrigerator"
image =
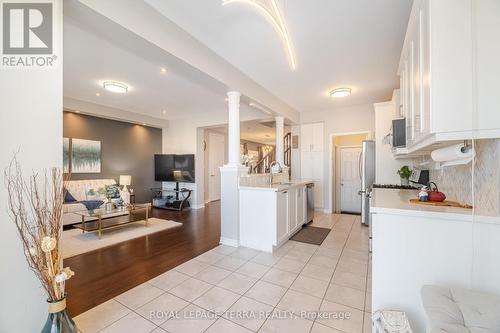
pixel 367 176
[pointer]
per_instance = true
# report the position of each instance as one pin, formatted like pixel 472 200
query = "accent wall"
pixel 126 149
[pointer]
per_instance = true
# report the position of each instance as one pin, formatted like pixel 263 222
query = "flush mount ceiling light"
pixel 163 70
pixel 116 87
pixel 340 92
pixel 274 15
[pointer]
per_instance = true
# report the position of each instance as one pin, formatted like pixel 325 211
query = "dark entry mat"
pixel 311 235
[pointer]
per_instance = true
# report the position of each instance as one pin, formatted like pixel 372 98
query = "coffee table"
pixel 112 218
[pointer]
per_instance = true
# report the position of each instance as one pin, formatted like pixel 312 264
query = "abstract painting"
pixel 65 155
pixel 85 156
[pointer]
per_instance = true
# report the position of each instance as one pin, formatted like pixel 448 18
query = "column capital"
pixel 233 95
pixel 279 119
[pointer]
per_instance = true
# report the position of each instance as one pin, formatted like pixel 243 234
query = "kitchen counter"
pixel 397 202
pixel 278 187
pixel 414 245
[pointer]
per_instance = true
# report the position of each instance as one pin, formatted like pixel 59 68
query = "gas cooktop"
pixel 396 187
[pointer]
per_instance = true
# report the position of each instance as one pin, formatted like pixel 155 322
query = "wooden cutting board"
pixel 445 203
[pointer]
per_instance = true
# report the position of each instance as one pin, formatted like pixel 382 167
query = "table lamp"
pixel 125 180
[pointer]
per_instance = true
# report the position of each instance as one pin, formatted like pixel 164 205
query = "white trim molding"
pixel 229 242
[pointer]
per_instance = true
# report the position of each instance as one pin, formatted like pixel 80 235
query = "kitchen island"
pixel 271 214
pixel 417 245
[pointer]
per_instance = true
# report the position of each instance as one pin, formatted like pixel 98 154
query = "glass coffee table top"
pixel 103 212
pixel 108 218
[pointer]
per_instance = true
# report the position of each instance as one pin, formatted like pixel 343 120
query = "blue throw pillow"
pixel 68 197
pixel 92 204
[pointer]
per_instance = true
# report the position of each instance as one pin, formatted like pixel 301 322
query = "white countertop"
pixel 397 202
pixel 277 187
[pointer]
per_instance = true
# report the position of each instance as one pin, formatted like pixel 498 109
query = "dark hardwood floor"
pixel 108 272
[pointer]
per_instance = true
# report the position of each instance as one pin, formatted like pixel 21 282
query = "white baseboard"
pixel 327 211
pixel 198 206
pixel 229 242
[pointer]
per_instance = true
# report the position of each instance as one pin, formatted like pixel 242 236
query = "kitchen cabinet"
pixel 292 209
pixel 270 215
pixel 449 72
pixel 311 167
pixel 282 214
pixel 312 157
pixel 311 137
pixel 486 32
pixel 301 205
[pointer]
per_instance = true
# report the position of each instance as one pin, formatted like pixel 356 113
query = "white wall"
pixel 31 123
pixel 386 164
pixel 358 118
pixel 182 137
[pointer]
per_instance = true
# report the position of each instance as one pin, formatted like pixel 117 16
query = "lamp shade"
pixel 125 180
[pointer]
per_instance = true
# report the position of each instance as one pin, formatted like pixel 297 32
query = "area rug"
pixel 311 235
pixel 74 242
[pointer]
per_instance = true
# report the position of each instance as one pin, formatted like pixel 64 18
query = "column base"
pixel 230 203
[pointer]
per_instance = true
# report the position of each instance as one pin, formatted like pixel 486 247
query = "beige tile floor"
pixel 299 288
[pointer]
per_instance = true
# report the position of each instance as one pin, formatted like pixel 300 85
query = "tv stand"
pixel 171 199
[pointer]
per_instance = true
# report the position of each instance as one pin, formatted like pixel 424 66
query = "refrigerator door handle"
pixel 359 165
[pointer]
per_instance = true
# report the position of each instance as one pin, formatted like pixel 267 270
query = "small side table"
pixel 132 198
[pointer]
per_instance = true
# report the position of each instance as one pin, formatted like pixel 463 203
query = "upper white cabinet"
pixel 312 137
pixel 486 35
pixel 448 70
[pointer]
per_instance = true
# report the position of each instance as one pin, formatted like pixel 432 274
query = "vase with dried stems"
pixel 35 206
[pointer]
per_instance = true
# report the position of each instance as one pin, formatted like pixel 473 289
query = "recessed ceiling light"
pixel 340 92
pixel 226 99
pixel 116 87
pixel 164 111
pixel 98 94
pixel 163 70
pixel 143 124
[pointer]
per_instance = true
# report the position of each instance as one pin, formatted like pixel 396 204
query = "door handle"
pixel 359 165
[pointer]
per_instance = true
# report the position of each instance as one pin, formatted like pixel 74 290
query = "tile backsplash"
pixel 457 181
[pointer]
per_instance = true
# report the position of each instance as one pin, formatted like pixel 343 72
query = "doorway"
pixel 350 182
pixel 216 157
pixel 345 181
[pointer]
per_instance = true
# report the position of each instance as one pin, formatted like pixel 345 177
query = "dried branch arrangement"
pixel 35 206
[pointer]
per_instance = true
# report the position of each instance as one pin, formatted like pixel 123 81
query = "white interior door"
pixel 216 151
pixel 350 182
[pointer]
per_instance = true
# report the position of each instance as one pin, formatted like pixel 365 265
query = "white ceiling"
pixel 102 50
pixel 337 43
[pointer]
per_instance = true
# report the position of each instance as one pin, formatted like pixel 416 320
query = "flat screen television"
pixel 174 168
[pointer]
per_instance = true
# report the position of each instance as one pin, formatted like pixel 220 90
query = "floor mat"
pixel 311 235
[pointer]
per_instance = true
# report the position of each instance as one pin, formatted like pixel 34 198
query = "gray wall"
pixel 126 149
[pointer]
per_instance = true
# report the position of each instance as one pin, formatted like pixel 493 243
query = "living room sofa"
pixel 79 189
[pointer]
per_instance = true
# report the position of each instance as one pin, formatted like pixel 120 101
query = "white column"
pixel 230 176
pixel 280 122
pixel 234 128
